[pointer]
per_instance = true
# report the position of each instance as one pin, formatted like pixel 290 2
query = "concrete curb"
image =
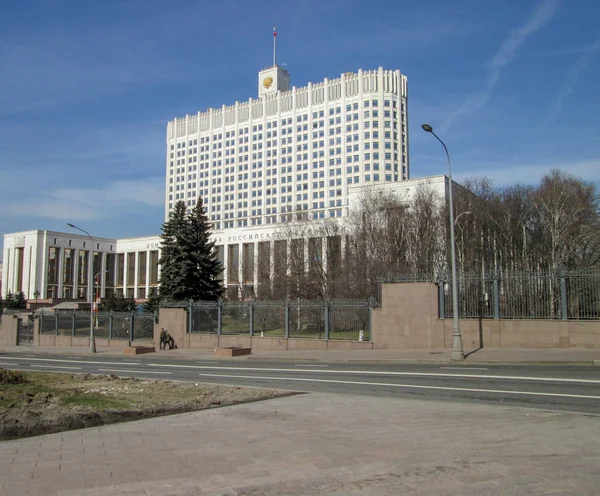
pixel 422 360
pixel 444 361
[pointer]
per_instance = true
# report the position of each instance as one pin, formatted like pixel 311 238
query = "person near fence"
pixel 166 340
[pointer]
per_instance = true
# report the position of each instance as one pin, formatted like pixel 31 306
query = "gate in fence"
pixel 25 331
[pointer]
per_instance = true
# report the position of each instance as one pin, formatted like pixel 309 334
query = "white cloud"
pixel 119 197
pixel 573 74
pixel 504 56
pixel 531 173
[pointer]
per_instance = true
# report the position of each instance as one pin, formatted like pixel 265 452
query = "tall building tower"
pixel 292 151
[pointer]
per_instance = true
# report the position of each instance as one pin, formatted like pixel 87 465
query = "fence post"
pixel 441 300
pixel 564 311
pixel 219 316
pixel 327 315
pixel 55 324
pixel 110 324
pixel 287 318
pixel 131 324
pixel 496 298
pixel 189 319
pixel 371 302
pixel 252 303
pixel 73 323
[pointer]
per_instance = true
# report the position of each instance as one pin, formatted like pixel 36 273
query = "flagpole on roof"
pixel 274 45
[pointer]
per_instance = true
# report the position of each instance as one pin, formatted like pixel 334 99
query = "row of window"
pixel 350 107
pixel 273 219
pixel 230 150
pixel 367 104
pixel 388 177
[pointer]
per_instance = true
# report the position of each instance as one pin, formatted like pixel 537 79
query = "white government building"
pixel 301 153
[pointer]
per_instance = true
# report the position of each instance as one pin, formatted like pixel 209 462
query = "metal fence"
pixel 573 295
pixel 107 325
pixel 335 319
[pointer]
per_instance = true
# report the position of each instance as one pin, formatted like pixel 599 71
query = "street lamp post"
pixel 460 215
pixel 91 287
pixel 457 344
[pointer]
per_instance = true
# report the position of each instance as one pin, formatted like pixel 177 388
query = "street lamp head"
pixel 427 128
pixel 70 225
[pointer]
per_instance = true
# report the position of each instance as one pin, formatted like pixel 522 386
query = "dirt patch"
pixel 35 403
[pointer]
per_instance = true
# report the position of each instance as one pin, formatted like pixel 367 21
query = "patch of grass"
pixel 12 377
pixel 53 402
pixel 95 402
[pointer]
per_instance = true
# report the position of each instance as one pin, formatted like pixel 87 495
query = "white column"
pixel 125 268
pixel 147 268
pixel 75 274
pixel 225 264
pixel 90 275
pixel 5 267
pixel 136 274
pixel 102 286
pixel 159 267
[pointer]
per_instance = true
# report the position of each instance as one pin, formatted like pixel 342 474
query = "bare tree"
pixel 502 231
pixel 568 216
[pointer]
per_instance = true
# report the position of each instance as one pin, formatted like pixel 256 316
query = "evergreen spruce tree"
pixel 189 267
pixel 118 304
pixel 174 260
pixel 20 301
pixel 153 302
pixel 204 282
pixel 9 301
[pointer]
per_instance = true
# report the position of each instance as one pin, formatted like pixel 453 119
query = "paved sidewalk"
pixel 317 444
pixel 488 355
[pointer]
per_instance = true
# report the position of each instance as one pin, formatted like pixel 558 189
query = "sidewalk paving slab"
pixel 317 444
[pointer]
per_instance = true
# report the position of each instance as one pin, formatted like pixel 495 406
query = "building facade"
pixel 62 265
pixel 293 154
pixel 291 150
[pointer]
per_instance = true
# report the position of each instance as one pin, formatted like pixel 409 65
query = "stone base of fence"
pixel 47 340
pixel 8 330
pixel 214 341
pixel 408 319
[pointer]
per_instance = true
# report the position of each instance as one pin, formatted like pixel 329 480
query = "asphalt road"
pixel 551 387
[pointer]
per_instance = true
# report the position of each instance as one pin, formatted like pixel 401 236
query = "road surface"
pixel 551 387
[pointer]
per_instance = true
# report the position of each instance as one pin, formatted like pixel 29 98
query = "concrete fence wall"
pixel 408 319
pixel 8 330
pixel 175 321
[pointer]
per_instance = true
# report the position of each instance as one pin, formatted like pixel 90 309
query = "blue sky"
pixel 86 89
